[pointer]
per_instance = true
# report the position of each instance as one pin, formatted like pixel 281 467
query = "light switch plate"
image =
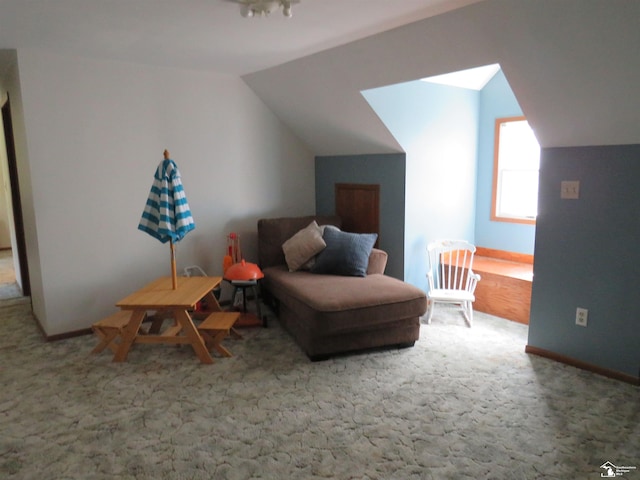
pixel 570 189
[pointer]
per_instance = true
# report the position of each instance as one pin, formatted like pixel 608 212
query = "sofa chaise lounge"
pixel 331 314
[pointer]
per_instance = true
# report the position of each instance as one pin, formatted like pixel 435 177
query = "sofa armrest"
pixel 377 261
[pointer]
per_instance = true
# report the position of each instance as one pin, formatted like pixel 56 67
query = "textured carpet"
pixel 7 273
pixel 464 403
pixel 9 290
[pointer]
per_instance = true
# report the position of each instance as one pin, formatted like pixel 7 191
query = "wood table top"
pixel 160 294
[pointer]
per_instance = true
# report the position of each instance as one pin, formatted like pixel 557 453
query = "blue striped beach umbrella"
pixel 166 215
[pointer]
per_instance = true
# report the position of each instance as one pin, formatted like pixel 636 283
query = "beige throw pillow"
pixel 303 246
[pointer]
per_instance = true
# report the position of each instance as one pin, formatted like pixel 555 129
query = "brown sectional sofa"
pixel 332 314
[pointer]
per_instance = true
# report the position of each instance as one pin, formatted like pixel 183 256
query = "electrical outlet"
pixel 581 316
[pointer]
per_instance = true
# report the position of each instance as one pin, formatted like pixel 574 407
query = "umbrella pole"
pixel 174 274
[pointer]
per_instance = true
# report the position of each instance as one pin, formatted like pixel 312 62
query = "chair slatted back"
pixel 450 262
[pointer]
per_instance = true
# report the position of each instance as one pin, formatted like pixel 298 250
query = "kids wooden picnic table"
pixel 160 295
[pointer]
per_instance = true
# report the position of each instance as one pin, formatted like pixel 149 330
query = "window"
pixel 515 172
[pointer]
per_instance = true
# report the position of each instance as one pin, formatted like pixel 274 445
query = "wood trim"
pixel 64 336
pixel 523 221
pixel 504 255
pixel 503 296
pixel 494 185
pixel 623 377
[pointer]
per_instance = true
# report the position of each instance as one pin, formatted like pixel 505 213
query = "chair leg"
pixel 430 306
pixel 468 308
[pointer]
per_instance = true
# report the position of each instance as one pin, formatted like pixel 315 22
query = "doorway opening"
pixel 14 272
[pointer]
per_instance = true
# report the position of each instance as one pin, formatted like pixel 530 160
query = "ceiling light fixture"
pixel 262 8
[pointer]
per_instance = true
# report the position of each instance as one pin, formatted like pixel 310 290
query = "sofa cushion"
pixel 273 232
pixel 303 246
pixel 345 254
pixel 331 304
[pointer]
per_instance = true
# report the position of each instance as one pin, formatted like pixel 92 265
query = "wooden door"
pixel 358 206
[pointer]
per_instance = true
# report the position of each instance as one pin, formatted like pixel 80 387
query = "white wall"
pixel 96 131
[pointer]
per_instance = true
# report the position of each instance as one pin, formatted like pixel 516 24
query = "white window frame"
pixel 507 162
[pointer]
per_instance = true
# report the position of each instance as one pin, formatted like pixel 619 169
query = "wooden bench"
pixel 109 330
pixel 505 286
pixel 216 327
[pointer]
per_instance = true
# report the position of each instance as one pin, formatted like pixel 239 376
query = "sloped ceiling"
pixel 201 34
pixel 572 65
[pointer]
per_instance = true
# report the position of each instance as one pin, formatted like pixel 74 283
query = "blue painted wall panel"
pixel 437 127
pixel 496 101
pixel 586 250
pixel 587 255
pixel 389 172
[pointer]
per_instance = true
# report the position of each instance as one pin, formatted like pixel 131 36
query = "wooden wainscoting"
pixel 505 286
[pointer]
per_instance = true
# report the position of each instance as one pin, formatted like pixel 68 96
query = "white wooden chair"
pixel 451 277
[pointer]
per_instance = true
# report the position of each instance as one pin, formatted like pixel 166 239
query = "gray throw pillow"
pixel 345 254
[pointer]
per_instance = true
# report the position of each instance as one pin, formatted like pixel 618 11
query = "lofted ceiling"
pixel 571 64
pixel 202 34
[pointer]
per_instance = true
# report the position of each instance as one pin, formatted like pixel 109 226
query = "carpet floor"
pixel 463 403
pixel 8 286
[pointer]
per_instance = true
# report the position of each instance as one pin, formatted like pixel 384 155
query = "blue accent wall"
pixel 586 250
pixel 389 172
pixel 496 101
pixel 437 126
pixel 587 255
pixel 447 134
